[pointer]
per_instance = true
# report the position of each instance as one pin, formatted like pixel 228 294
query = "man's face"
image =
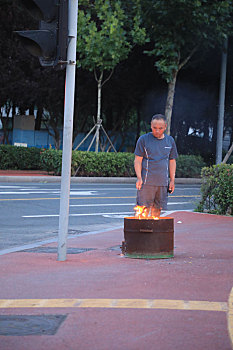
pixel 158 127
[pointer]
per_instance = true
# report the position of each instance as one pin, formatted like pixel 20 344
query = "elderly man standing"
pixel 155 162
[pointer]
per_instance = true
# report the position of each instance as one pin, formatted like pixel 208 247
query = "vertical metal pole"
pixel 68 130
pixel 222 90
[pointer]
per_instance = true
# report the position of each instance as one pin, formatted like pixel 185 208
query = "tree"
pixel 106 34
pixel 24 83
pixel 180 28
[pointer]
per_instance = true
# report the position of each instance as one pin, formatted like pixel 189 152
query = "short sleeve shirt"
pixel 156 154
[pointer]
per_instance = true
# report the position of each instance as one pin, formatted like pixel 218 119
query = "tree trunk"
pixel 13 117
pixel 109 118
pixel 228 154
pixel 138 122
pixel 57 140
pixel 221 109
pixel 170 101
pixel 99 82
pixel 31 110
pixel 38 118
pixel 206 133
pixel 52 123
pixel 5 126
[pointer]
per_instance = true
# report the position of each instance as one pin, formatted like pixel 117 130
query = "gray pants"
pixel 152 196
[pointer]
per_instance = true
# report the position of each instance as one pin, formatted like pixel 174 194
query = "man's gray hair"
pixel 159 117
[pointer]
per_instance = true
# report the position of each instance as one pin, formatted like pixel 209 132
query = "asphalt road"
pixel 29 212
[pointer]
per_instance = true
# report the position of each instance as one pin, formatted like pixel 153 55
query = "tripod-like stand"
pixel 97 127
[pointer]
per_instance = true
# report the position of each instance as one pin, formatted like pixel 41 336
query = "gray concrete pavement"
pixel 30 211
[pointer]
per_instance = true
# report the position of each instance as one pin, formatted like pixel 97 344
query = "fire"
pixel 143 212
pixel 140 211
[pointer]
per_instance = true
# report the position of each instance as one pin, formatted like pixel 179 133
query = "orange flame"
pixel 142 212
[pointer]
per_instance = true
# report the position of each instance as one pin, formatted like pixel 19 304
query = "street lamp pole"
pixel 68 130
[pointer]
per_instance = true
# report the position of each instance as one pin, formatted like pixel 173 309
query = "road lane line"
pixel 16 187
pixel 84 214
pixel 40 199
pixel 117 204
pixel 72 193
pixel 100 205
pixel 27 192
pixel 96 214
pixel 72 198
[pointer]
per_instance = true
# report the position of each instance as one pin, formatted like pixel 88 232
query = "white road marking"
pixel 114 216
pixel 85 214
pixel 72 189
pixel 116 204
pixel 83 193
pixel 169 212
pixel 96 214
pixel 175 203
pixel 9 187
pixel 31 192
pixel 93 214
pixel 100 205
pixel 72 193
pixel 107 188
pixel 117 216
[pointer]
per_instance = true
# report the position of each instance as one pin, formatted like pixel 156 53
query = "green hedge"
pixel 13 157
pixel 103 164
pixel 189 166
pixel 87 163
pixel 217 190
pixel 51 160
pixel 90 163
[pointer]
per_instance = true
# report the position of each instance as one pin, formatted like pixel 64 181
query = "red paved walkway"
pixel 113 302
pixel 23 173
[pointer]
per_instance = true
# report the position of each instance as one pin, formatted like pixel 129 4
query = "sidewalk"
pixel 100 300
pixel 42 176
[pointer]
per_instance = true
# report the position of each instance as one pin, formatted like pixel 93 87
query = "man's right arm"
pixel 138 171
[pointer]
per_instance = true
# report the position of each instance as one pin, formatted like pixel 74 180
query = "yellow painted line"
pixel 116 303
pixel 193 305
pixel 42 199
pixel 230 317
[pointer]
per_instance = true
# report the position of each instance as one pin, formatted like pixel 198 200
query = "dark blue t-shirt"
pixel 156 154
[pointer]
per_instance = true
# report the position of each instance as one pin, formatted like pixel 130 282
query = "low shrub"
pixel 51 160
pixel 189 166
pixel 13 157
pixel 217 190
pixel 112 164
pixel 102 164
pixel 87 163
pixel 90 163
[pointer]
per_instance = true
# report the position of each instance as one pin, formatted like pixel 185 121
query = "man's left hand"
pixel 172 186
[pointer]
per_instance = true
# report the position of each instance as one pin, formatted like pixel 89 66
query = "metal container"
pixel 148 238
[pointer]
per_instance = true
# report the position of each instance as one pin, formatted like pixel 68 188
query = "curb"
pixel 87 179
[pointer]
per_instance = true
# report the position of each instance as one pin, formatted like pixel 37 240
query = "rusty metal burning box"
pixel 148 238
